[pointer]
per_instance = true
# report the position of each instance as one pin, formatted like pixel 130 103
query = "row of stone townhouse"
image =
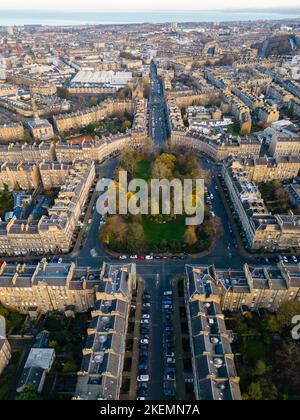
pixel 95 149
pixel 79 119
pixel 45 287
pixel 100 375
pixel 265 169
pixel 262 229
pixel 11 132
pixel 217 149
pixel 208 293
pixel 52 233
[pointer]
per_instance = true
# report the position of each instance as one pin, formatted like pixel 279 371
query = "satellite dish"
pixel 98 358
pixel 218 362
pixel 105 319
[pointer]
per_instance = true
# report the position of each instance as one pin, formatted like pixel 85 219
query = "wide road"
pixel 157 109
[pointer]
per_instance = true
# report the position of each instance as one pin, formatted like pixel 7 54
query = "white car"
pixel 144 341
pixel 169 378
pixel 143 378
pixel 133 257
pixel 146 316
pixel 123 257
pixel 145 321
pixel 149 257
pixel 94 253
pixel 60 260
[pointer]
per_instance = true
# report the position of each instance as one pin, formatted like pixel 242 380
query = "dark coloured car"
pixel 169 392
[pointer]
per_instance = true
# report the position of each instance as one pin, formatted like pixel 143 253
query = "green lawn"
pixel 143 170
pixel 169 231
pixel 234 129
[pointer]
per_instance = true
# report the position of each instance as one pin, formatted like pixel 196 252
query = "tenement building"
pixel 33 289
pixel 266 169
pixel 22 175
pixel 79 119
pixel 17 152
pixel 11 132
pixel 100 376
pixel 285 145
pixel 262 229
pixel 209 292
pixel 214 370
pixel 52 233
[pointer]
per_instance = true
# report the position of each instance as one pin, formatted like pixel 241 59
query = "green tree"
pixel 271 324
pixel 254 392
pixel 29 393
pixel 53 344
pixel 70 367
pixel 190 236
pixel 286 313
pixel 63 93
pixel 90 129
pixel 128 158
pixel 93 101
pixel 126 125
pixel 260 368
pixel 135 237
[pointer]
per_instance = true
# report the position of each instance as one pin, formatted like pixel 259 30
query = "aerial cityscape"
pixel 150 204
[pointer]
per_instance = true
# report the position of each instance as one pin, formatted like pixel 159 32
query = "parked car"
pixel 143 378
pixel 170 377
pixel 169 392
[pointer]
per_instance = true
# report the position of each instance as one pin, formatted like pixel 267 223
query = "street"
pixel 157 109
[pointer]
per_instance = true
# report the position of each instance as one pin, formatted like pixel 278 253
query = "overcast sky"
pixel 142 4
